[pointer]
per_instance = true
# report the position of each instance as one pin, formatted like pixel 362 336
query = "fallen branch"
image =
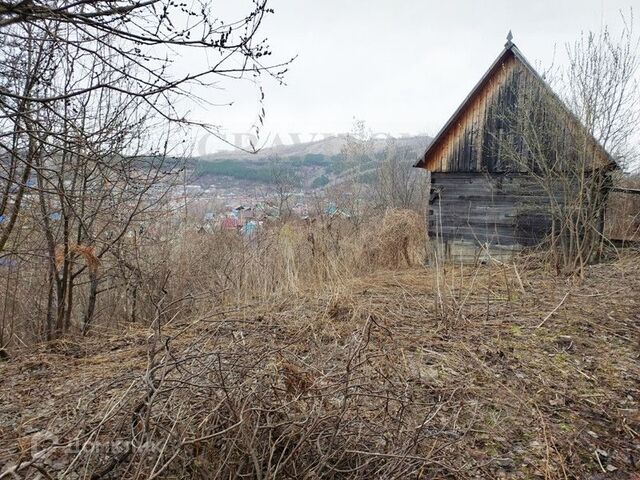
pixel 554 310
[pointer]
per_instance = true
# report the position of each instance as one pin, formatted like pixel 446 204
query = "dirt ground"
pixel 489 372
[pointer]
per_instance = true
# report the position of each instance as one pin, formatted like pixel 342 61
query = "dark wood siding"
pixel 498 209
pixel 488 161
pixel 482 136
pixel 470 144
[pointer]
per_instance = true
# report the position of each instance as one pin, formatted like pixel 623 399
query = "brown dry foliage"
pixel 398 240
pixel 179 265
pixel 87 252
pixel 363 381
pixel 289 257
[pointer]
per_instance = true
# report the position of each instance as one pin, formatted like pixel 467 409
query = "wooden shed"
pixel 485 186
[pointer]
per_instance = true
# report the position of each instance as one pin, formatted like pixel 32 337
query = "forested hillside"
pixel 304 166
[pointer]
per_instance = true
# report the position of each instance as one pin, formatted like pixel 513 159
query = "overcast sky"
pixel 401 66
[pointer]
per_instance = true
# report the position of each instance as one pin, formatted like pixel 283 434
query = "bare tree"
pixel 284 182
pixel 600 86
pixel 398 184
pixel 89 108
pixel 560 143
pixel 352 194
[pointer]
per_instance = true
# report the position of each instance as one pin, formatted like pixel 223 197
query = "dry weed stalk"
pixel 362 382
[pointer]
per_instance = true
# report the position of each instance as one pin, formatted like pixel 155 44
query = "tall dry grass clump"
pixel 289 257
pixel 172 268
pixel 398 240
pixel 180 266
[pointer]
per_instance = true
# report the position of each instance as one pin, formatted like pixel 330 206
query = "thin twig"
pixel 554 310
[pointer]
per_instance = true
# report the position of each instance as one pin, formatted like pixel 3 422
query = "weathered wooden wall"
pixel 488 160
pixel 469 144
pixel 487 132
pixel 496 209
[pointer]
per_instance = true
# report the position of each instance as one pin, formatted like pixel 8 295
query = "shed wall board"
pixel 498 210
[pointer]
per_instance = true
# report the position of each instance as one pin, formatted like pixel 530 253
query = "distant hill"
pixel 310 165
pixel 328 146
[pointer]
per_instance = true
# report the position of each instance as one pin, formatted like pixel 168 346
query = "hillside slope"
pixel 311 165
pixel 513 376
pixel 326 146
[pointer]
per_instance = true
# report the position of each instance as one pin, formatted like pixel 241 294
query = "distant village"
pixel 214 209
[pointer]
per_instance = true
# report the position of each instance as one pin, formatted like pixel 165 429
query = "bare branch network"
pixel 90 105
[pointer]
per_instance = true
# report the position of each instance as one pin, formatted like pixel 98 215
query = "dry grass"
pixel 462 373
pixel 179 266
pixel 283 258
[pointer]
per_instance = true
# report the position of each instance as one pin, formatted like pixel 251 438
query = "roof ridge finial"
pixel 509 43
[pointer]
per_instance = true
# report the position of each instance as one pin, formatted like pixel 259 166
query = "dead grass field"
pixel 471 373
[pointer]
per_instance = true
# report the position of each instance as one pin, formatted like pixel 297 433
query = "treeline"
pixel 273 170
pixel 238 169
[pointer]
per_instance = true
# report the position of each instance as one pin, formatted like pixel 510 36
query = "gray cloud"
pixel 402 66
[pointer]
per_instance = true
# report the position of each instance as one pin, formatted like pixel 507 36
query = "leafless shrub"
pixel 88 114
pixel 184 265
pixel 562 148
pixel 398 184
pixel 228 405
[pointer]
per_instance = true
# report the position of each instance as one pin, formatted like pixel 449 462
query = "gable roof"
pixel 509 53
